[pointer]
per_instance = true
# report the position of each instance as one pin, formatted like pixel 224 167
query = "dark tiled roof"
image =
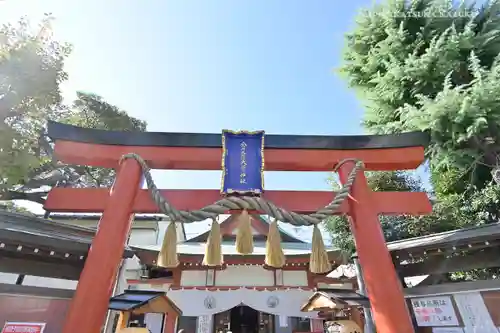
pixel 457 237
pixel 265 222
pixel 29 229
pixel 133 299
pixel 95 217
pixel 350 297
pixel 337 297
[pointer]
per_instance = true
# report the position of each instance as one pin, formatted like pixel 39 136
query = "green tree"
pixel 394 227
pixel 91 111
pixel 31 67
pixel 12 207
pixel 433 66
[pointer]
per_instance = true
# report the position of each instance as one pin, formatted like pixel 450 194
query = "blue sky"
pixel 201 66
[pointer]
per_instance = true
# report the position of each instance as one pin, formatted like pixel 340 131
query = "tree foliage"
pixel 394 227
pixel 90 110
pixel 31 67
pixel 436 73
pixel 31 72
pixel 434 66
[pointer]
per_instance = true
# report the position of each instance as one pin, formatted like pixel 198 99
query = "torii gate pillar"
pixel 89 306
pixel 383 286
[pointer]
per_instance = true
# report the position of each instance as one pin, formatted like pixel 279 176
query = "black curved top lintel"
pixel 59 131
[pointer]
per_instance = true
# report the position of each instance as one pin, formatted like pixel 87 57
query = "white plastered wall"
pixel 295 278
pixel 193 278
pixel 242 275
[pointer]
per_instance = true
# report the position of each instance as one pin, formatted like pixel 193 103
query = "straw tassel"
pixel 167 257
pixel 213 250
pixel 244 237
pixel 274 253
pixel 319 263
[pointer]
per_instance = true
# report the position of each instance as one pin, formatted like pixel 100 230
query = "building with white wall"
pixel 147 230
pixel 242 294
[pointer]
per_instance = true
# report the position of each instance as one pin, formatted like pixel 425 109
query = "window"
pixel 300 324
pixel 137 318
pixel 188 324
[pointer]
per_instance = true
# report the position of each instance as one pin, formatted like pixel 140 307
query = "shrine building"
pixel 243 291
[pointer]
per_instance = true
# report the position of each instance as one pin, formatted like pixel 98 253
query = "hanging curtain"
pixel 207 302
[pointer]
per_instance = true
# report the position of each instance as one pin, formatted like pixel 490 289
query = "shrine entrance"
pixel 240 156
pixel 244 319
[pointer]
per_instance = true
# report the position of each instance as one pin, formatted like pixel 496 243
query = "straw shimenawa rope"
pixel 167 257
pixel 319 260
pixel 274 252
pixel 319 263
pixel 213 250
pixel 244 235
pixel 248 202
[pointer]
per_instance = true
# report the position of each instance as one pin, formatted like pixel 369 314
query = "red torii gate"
pixel 74 145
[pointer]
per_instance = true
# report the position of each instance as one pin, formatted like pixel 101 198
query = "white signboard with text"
pixel 434 311
pixel 204 324
pixel 16 327
pixel 474 313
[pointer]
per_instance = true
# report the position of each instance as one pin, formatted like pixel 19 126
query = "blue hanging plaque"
pixel 242 162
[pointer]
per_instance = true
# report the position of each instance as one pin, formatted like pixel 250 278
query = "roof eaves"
pixel 281 230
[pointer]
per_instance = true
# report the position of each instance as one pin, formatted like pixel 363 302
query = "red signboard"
pixel 11 327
